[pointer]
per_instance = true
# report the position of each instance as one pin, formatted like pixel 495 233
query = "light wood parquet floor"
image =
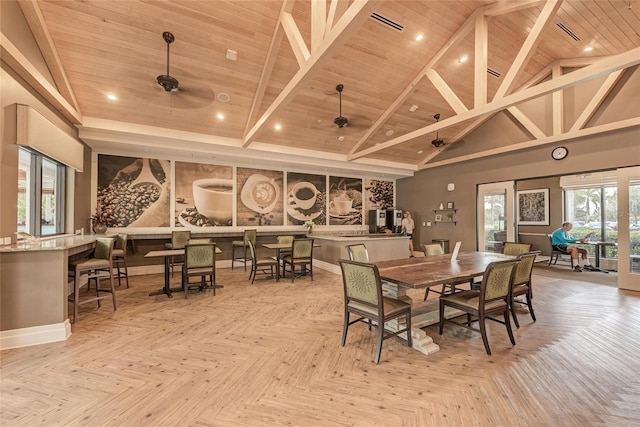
pixel 269 354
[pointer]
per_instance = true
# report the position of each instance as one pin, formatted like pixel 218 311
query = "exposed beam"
pixel 528 48
pixel 596 101
pixel 296 41
pixel 480 61
pixel 507 6
pixel 37 25
pixel 453 41
pixel 557 103
pixel 336 10
pixel 318 22
pixel 358 12
pixel 25 69
pixel 446 92
pixel 525 121
pixel 609 127
pixel 601 68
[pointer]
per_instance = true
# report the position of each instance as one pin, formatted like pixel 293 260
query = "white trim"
pixel 24 337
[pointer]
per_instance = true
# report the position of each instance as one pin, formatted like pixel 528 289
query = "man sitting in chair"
pixel 560 240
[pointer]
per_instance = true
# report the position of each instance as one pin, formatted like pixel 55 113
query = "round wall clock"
pixel 559 153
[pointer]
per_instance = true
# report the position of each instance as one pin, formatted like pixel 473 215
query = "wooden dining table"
pixel 400 275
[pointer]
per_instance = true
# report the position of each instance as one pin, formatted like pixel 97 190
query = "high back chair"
pixel 120 258
pixel 98 266
pixel 512 248
pixel 557 255
pixel 266 266
pixel 301 255
pixel 199 261
pixel 243 245
pixel 493 297
pixel 522 284
pixel 363 297
pixel 431 250
pixel 179 239
pixel 285 240
pixel 358 252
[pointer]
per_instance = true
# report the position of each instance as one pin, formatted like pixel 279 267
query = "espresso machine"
pixel 377 220
pixel 394 220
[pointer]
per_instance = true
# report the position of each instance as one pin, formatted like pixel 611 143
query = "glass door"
pixel 495 207
pixel 629 228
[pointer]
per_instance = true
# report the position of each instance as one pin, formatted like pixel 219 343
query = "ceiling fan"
pixel 437 142
pixel 340 121
pixel 165 80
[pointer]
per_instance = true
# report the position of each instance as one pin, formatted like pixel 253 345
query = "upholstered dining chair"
pixel 120 258
pixel 522 284
pixel 557 255
pixel 199 261
pixel 179 238
pixel 243 245
pixel 358 252
pixel 513 248
pixel 265 266
pixel 98 266
pixel 363 297
pixel 436 249
pixel 301 255
pixel 285 240
pixel 493 297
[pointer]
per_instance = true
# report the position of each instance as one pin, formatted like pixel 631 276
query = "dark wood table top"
pixel 423 272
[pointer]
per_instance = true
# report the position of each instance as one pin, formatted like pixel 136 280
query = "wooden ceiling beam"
pixel 318 22
pixel 506 6
pixel 557 104
pixel 445 90
pixel 525 121
pixel 336 10
pixel 296 41
pixel 480 61
pixel 357 13
pixel 596 101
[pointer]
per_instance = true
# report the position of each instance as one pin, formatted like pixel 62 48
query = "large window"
pixel 41 198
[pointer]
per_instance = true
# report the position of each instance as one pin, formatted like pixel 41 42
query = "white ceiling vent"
pixel 568 31
pixel 387 22
pixel 224 97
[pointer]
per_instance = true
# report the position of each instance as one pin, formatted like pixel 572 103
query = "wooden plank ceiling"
pixel 291 56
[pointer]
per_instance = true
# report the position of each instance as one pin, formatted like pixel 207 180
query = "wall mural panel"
pixel 259 198
pixel 345 201
pixel 306 198
pixel 134 192
pixel 204 195
pixel 378 195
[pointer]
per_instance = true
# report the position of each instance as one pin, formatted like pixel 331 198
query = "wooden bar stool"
pixel 99 266
pixel 120 258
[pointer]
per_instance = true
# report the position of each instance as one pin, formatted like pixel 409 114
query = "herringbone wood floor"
pixel 269 354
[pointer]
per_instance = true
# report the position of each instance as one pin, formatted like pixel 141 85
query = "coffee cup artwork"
pixel 341 205
pixel 303 195
pixel 260 193
pixel 213 198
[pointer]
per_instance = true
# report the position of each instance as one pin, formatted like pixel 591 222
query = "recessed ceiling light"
pixel 588 49
pixel 389 132
pixel 278 126
pixel 462 59
pixel 419 37
pixel 420 152
pixel 220 116
pixel 112 96
pixel 341 138
pixel 414 108
pixel 224 97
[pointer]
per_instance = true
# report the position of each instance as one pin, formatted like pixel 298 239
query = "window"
pixel 41 198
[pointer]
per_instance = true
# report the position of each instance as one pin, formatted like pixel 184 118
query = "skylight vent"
pixel 386 21
pixel 570 33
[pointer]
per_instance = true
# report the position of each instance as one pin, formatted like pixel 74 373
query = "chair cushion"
pixel 200 271
pixel 118 252
pixel 391 306
pixel 237 243
pixel 90 264
pixel 471 299
pixel 266 261
pixel 168 245
pixel 520 290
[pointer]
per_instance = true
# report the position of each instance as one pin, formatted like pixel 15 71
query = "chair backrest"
pixel 252 251
pixel 512 248
pixel 121 241
pixel 302 248
pixel 199 255
pixel 522 275
pixel 250 235
pixel 362 284
pixel 432 249
pixel 497 280
pixel 198 241
pixel 285 239
pixel 180 238
pixel 104 248
pixel 358 252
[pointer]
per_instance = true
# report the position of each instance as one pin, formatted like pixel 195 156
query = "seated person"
pixel 560 240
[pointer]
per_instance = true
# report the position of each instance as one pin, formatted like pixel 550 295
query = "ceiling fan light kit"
pixel 437 142
pixel 165 80
pixel 340 121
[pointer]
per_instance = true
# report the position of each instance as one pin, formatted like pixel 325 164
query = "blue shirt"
pixel 559 237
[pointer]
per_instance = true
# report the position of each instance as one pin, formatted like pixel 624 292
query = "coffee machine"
pixel 377 220
pixel 394 220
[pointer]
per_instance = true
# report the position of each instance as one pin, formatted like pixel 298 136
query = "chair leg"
pixel 426 294
pixel 483 332
pixel 98 287
pixel 529 297
pixel 345 327
pixel 113 292
pixel 441 316
pixel 76 295
pixel 508 323
pixel 513 312
pixel 379 340
pixel 245 257
pixel 409 337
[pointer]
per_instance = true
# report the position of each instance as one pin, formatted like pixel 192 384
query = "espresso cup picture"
pixel 341 206
pixel 264 193
pixel 303 195
pixel 213 198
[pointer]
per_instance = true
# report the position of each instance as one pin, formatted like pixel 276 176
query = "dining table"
pixel 598 245
pixel 167 254
pixel 400 275
pixel 279 246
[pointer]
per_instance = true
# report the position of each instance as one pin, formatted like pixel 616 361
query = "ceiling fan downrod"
pixel 340 121
pixel 165 80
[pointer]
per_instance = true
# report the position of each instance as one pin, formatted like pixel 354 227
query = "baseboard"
pixel 24 337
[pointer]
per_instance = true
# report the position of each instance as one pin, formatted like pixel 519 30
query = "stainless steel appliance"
pixel 394 220
pixel 377 220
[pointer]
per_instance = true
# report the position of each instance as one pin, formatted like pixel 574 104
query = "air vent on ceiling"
pixel 494 73
pixel 386 21
pixel 568 31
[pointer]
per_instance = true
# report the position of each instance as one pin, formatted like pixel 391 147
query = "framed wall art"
pixel 533 207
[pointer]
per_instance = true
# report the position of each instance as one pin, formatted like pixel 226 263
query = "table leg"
pixel 167 285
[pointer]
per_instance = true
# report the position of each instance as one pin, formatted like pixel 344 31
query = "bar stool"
pixel 120 258
pixel 178 240
pixel 99 266
pixel 243 244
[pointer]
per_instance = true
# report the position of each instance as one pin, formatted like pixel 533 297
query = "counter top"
pixel 54 244
pixel 359 237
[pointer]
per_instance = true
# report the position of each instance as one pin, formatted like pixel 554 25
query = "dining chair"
pixel 358 252
pixel 243 245
pixel 436 249
pixel 98 266
pixel 285 240
pixel 513 248
pixel 522 284
pixel 557 255
pixel 493 297
pixel 363 297
pixel 120 258
pixel 179 238
pixel 301 255
pixel 264 266
pixel 199 261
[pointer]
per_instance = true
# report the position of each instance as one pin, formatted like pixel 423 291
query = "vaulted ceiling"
pixel 290 56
